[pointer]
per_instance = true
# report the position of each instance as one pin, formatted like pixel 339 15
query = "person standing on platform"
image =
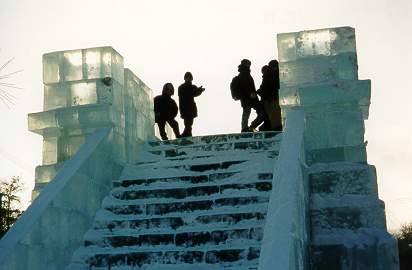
pixel 187 105
pixel 165 109
pixel 243 88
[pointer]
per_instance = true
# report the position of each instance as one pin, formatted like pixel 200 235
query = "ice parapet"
pixel 75 65
pixel 306 44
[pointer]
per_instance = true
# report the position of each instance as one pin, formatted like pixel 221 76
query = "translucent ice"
pixel 319 69
pixel 74 65
pixel 328 42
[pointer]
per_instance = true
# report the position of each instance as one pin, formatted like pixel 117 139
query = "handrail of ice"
pixel 285 235
pixel 49 231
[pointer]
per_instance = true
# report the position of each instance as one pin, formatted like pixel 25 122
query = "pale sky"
pixel 160 40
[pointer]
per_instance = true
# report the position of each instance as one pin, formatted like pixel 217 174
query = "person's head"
pixel 168 89
pixel 274 64
pixel 188 77
pixel 265 70
pixel 244 65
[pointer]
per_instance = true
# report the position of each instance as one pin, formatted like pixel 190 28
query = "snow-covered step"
pixel 213 139
pixel 193 206
pixel 227 217
pixel 224 255
pixel 196 203
pixel 183 180
pixel 188 238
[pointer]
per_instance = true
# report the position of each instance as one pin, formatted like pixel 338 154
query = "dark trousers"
pixel 172 123
pixel 188 127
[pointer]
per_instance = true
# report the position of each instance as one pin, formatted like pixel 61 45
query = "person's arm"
pixel 197 91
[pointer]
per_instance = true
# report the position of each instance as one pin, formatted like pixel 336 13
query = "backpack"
pixel 234 88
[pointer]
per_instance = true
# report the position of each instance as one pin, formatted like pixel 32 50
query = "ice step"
pixel 252 266
pixel 190 191
pixel 163 209
pixel 157 158
pixel 228 236
pixel 223 217
pixel 183 180
pixel 253 163
pixel 216 254
pixel 216 149
pixel 247 136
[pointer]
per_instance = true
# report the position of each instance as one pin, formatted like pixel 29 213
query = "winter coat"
pixel 269 89
pixel 164 107
pixel 242 87
pixel 187 93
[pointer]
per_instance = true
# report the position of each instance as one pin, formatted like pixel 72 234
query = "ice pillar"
pixel 319 74
pixel 84 90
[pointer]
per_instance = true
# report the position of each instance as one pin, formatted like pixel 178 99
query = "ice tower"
pixel 85 90
pixel 319 74
pixel 114 197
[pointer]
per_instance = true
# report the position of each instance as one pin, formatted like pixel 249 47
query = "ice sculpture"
pixel 83 90
pixel 318 72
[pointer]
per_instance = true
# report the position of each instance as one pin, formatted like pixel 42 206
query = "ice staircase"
pixel 191 203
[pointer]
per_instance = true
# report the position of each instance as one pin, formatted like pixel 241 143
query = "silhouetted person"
pixel 165 109
pixel 271 102
pixel 243 88
pixel 188 110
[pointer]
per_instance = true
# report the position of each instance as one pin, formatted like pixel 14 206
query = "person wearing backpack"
pixel 243 88
pixel 165 109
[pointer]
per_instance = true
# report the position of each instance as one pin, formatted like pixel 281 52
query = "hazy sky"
pixel 160 40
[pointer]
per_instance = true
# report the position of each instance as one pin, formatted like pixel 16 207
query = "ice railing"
pixel 285 238
pixel 85 90
pixel 49 231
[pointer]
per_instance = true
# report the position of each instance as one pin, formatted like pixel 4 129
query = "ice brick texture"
pixel 192 203
pixel 319 74
pixel 84 90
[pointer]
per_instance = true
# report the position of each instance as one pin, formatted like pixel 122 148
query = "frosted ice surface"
pixel 328 42
pixel 42 120
pixel 93 58
pixel 339 91
pixel 56 96
pixel 74 65
pixel 51 67
pixel 319 69
pixel 50 151
pixel 83 93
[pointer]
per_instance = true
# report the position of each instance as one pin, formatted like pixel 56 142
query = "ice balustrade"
pixel 49 231
pixel 87 89
pixel 286 233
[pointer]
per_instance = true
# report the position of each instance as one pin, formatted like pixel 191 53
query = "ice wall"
pixel 319 75
pixel 84 90
pixel 319 72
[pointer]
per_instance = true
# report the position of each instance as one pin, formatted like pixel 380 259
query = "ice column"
pixel 319 74
pixel 84 90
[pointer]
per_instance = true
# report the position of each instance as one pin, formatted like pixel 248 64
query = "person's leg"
pixel 161 124
pixel 188 127
pixel 270 110
pixel 245 118
pixel 175 126
pixel 260 116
